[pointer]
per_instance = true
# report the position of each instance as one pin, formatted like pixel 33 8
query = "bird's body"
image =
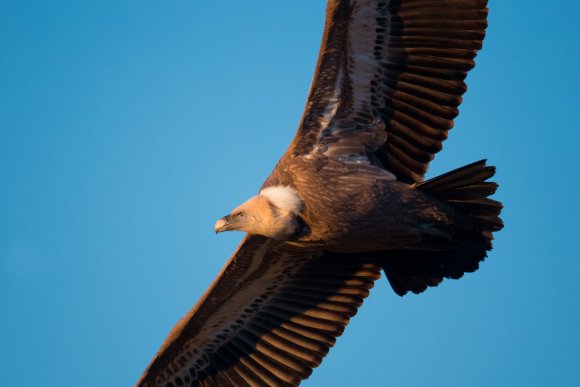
pixel 347 200
pixel 362 209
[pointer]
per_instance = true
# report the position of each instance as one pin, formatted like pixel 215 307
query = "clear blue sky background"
pixel 128 127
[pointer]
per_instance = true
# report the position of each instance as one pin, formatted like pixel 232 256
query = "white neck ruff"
pixel 283 197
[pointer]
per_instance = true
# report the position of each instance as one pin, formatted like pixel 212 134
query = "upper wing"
pixel 389 80
pixel 268 319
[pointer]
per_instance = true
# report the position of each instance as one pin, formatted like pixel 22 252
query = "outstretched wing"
pixel 269 318
pixel 389 81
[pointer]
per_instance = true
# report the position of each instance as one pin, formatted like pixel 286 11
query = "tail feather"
pixel 467 190
pixel 484 189
pixel 478 207
pixel 470 174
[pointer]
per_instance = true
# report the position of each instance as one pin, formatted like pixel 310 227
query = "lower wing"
pixel 269 318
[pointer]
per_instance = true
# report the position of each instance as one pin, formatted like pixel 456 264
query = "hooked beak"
pixel 223 224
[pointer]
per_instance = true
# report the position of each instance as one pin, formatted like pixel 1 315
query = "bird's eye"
pixel 241 214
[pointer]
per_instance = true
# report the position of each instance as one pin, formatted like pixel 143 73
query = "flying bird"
pixel 347 201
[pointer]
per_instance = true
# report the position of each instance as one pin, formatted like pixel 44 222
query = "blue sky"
pixel 128 127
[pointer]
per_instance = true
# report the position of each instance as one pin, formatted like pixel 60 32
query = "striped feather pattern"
pixel 269 318
pixel 396 67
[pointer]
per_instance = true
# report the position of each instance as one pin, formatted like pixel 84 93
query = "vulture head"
pixel 273 213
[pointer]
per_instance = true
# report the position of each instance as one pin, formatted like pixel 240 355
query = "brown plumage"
pixel 347 200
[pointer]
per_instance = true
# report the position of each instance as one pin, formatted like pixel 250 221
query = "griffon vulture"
pixel 347 200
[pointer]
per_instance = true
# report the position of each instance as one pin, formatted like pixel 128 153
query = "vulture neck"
pixel 280 219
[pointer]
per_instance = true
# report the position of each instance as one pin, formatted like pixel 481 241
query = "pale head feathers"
pixel 272 213
pixel 283 197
